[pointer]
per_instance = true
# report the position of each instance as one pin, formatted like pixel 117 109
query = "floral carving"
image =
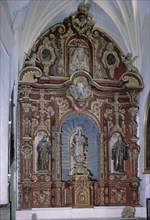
pixel 63 106
pixel 41 197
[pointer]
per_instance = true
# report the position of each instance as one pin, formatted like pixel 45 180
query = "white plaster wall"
pixel 4 118
pixel 14 87
pixel 6 84
pixel 145 73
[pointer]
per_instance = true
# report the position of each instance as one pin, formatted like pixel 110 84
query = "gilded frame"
pixel 146 136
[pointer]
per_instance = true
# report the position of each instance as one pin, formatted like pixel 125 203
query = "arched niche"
pixel 90 132
pixel 40 151
pixel 79 53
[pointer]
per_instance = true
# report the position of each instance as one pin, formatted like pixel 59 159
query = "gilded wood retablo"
pixel 77 130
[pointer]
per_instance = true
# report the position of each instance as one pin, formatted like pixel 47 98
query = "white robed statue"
pixel 79 144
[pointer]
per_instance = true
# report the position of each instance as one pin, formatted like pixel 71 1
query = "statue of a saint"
pixel 119 154
pixel 79 58
pixel 80 89
pixel 79 148
pixel 43 149
pixel 79 144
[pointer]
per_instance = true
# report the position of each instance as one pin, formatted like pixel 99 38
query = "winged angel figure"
pixel 31 61
pixel 128 61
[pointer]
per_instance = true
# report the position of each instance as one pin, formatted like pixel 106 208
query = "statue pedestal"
pixel 83 194
pixel 80 171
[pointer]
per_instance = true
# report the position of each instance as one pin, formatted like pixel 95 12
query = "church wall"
pixel 4 130
pixel 8 73
pixel 14 90
pixel 5 68
pixel 6 40
pixel 145 71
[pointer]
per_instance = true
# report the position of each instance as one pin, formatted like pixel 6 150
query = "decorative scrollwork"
pixel 41 196
pixel 96 106
pixel 118 194
pixel 63 106
pixel 46 53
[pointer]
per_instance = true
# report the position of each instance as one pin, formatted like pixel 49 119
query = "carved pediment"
pixel 77 44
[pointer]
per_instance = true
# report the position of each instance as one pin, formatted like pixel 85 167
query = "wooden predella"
pixel 77 128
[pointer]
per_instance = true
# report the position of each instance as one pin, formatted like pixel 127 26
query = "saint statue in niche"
pixel 119 154
pixel 79 57
pixel 79 148
pixel 80 89
pixel 43 149
pixel 79 145
pixel 79 136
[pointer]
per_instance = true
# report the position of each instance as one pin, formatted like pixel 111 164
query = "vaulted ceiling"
pixel 125 21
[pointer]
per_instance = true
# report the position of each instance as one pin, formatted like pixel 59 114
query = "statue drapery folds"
pixel 119 154
pixel 43 149
pixel 79 144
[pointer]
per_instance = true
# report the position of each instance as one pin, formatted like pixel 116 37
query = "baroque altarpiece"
pixel 77 109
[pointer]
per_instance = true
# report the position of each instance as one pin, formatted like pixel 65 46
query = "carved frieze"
pixel 63 105
pixel 41 196
pixel 133 124
pixel 96 107
pixel 26 154
pixel 26 195
pixel 118 194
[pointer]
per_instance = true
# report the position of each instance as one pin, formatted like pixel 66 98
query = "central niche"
pixel 80 148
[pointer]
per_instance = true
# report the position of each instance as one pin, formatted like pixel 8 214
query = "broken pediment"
pixel 77 44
